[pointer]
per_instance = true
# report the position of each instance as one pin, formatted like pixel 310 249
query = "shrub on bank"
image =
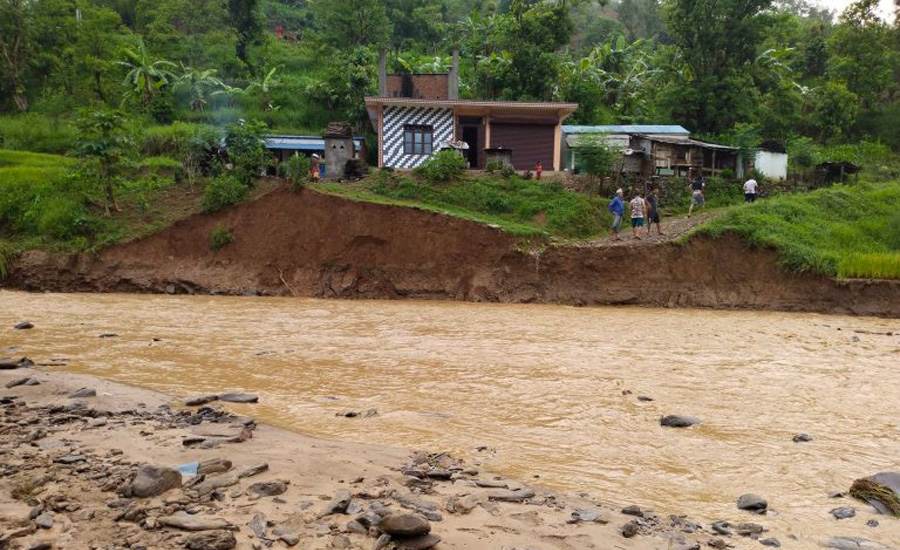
pixel 220 237
pixel 225 190
pixel 296 170
pixel 442 167
pixel 37 133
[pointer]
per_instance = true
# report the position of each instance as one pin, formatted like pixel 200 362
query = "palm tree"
pixel 264 85
pixel 200 85
pixel 146 75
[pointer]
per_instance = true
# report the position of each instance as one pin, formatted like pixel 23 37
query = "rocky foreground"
pixel 89 464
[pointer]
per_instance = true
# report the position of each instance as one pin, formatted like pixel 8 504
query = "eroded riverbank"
pixel 550 391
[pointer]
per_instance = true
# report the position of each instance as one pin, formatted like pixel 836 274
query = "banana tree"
pixel 146 75
pixel 200 84
pixel 264 85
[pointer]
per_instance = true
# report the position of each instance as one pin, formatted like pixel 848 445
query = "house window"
pixel 417 140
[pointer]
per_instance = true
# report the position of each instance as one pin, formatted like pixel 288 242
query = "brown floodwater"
pixel 551 390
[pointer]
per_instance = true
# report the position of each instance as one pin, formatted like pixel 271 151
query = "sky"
pixel 885 7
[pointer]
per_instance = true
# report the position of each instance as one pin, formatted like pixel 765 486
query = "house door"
pixel 472 133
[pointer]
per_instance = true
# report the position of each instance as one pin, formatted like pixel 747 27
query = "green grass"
pixel 525 208
pixel 843 231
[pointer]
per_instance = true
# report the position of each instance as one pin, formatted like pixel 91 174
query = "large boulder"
pixel 881 490
pixel 405 525
pixel 152 481
pixel 239 398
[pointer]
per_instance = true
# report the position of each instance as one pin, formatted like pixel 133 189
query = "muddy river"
pixel 551 391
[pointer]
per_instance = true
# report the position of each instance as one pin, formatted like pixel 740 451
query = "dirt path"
pixel 673 227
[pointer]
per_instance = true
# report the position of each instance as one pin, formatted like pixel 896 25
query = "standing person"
pixel 617 208
pixel 652 201
pixel 538 170
pixel 750 190
pixel 637 214
pixel 697 197
pixel 314 168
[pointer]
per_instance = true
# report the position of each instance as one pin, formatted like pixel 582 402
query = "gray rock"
pixel 844 512
pixel 69 459
pixel 213 483
pixel 187 522
pixel 405 525
pixel 253 470
pixel 24 326
pixel 630 529
pixel 211 540
pixel 201 400
pixel 747 529
pixel 854 543
pixel 422 542
pixel 383 542
pixel 581 515
pixel 290 539
pixel 84 393
pixel 885 482
pixel 42 546
pixel 771 541
pixel 152 481
pixel 340 541
pixel 108 335
pixel 268 488
pixel 753 503
pixel 7 363
pixel 338 504
pixel 22 382
pixel 802 438
pixel 872 523
pixel 213 466
pixel 44 521
pixel 258 525
pixel 239 398
pixel 356 527
pixel 633 511
pixel 490 484
pixel 679 421
pixel 645 398
pixel 722 528
pixel 512 496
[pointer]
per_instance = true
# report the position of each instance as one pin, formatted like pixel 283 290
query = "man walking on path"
pixel 697 198
pixel 617 208
pixel 637 214
pixel 652 201
pixel 750 190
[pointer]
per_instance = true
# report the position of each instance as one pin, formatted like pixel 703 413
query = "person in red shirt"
pixel 538 169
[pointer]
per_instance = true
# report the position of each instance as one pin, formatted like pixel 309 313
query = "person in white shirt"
pixel 750 190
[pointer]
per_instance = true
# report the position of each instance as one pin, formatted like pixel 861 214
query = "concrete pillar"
pixel 453 80
pixel 382 74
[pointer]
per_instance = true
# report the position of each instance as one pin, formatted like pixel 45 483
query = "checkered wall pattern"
pixel 395 118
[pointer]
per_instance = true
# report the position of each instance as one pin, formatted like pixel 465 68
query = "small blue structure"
pixel 284 146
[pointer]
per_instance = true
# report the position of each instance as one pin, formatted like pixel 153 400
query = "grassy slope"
pixel 525 208
pixel 843 231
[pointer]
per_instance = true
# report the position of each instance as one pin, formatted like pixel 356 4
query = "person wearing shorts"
pixel 314 168
pixel 637 214
pixel 652 201
pixel 697 199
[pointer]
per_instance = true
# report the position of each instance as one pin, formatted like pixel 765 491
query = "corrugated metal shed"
pixel 672 129
pixel 302 143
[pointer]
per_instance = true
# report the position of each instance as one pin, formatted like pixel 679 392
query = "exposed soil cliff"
pixel 312 244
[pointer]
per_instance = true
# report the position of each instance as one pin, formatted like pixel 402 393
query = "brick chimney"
pixel 453 78
pixel 382 74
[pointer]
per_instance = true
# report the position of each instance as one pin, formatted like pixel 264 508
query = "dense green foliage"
pixel 296 171
pixel 521 206
pixel 220 237
pixel 442 167
pixel 842 231
pixel 225 190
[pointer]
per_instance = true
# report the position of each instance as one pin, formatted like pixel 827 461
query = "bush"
pixel 178 139
pixel 225 190
pixel 442 167
pixel 220 237
pixel 247 151
pixel 296 170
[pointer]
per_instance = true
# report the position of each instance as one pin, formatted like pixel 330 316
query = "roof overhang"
pixel 473 107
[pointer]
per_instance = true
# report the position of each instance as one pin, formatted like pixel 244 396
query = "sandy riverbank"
pixel 73 458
